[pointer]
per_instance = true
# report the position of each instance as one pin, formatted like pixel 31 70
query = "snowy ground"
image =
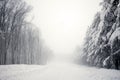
pixel 55 71
pixel 58 69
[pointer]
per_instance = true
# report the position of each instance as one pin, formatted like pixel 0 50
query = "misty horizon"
pixel 63 23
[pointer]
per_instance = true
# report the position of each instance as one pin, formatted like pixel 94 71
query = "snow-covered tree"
pixel 102 41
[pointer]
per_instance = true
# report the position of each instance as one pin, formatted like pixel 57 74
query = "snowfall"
pixel 57 70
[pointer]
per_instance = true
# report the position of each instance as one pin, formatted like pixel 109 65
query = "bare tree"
pixel 12 17
pixel 20 42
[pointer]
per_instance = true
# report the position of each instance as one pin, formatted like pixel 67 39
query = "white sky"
pixel 63 23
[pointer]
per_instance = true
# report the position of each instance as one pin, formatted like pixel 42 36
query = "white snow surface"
pixel 56 71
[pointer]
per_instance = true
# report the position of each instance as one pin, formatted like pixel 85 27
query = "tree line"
pixel 20 41
pixel 102 43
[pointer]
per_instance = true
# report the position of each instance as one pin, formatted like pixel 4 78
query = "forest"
pixel 102 43
pixel 20 41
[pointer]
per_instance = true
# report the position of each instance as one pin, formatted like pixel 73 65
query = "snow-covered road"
pixel 56 71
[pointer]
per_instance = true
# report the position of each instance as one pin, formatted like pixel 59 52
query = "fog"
pixel 47 50
pixel 63 23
